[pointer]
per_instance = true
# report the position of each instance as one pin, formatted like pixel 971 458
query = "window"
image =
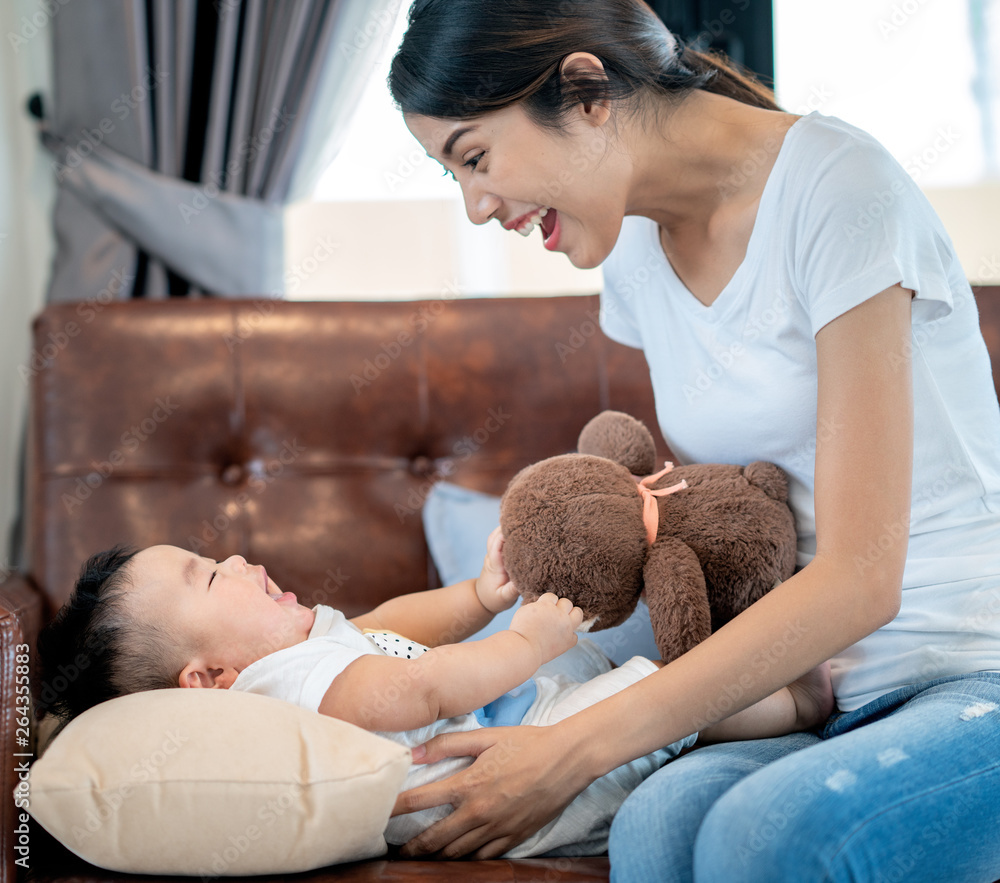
pixel 385 223
pixel 921 75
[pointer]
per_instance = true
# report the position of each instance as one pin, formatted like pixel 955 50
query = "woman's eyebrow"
pixel 450 143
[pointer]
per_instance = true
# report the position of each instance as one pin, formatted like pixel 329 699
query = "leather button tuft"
pixel 233 474
pixel 422 466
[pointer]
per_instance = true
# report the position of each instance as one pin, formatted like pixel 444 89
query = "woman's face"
pixel 570 183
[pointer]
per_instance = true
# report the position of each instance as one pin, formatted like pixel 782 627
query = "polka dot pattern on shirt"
pixel 396 645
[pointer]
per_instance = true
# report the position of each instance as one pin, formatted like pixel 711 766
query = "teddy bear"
pixel 703 541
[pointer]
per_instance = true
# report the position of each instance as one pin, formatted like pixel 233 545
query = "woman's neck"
pixel 706 155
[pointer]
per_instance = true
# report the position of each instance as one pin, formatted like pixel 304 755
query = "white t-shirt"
pixel 839 220
pixel 303 673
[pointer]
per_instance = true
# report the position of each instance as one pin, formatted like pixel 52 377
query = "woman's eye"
pixel 473 161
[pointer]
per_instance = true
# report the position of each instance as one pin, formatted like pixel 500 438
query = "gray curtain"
pixel 179 130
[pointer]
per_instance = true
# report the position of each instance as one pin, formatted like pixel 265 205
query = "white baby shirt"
pixel 839 221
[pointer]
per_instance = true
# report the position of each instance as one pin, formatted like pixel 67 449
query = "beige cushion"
pixel 209 782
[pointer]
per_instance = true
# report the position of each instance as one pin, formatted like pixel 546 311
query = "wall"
pixel 413 248
pixel 26 243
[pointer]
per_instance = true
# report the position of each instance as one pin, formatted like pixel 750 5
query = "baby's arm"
pixel 802 705
pixel 450 614
pixel 388 693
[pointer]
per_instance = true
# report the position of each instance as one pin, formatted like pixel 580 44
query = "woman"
pixel 797 301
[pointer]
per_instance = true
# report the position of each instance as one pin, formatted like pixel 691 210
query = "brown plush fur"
pixel 573 525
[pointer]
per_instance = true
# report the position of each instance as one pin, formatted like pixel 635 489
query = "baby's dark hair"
pixel 97 647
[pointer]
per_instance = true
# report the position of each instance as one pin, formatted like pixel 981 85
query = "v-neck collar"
pixel 729 295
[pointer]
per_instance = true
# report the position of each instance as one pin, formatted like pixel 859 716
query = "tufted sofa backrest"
pixel 304 436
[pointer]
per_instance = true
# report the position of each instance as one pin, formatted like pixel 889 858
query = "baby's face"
pixel 230 612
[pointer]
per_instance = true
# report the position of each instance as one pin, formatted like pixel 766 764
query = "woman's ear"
pixel 582 66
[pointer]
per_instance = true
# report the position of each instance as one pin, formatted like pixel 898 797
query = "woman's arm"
pixel 388 693
pixel 450 614
pixel 851 588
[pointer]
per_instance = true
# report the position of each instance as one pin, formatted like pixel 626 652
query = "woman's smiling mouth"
pixel 527 222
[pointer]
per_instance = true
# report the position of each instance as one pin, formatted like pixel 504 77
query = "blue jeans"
pixel 906 788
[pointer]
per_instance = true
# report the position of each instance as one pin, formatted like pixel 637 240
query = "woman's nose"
pixel 480 205
pixel 237 561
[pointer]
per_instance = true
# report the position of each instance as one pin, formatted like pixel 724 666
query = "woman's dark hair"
pixel 96 648
pixel 463 58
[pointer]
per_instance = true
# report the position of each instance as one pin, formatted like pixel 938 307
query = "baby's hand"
pixel 550 624
pixel 495 590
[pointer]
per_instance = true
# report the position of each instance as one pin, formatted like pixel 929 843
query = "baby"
pixel 167 617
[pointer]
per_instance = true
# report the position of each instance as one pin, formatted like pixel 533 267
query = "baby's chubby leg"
pixel 802 705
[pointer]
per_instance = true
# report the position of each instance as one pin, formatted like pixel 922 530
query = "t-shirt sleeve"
pixel 861 226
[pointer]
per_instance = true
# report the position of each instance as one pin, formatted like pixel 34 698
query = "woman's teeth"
pixel 532 222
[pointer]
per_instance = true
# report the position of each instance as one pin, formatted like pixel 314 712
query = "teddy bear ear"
pixel 620 437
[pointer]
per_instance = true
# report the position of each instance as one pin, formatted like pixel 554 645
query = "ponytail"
pixel 723 76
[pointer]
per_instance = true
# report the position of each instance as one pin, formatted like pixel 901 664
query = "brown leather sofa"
pixel 304 436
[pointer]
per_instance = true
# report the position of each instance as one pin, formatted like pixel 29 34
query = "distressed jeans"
pixel 906 788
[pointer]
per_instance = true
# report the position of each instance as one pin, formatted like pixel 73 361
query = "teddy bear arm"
pixel 677 597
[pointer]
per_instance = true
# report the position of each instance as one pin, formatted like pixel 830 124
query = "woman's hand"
pixel 519 782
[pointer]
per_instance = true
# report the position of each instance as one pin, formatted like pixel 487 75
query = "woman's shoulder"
pixel 827 149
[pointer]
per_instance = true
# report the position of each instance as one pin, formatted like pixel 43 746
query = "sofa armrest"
pixel 21 610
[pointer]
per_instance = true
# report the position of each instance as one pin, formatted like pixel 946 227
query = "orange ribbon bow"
pixel 650 511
